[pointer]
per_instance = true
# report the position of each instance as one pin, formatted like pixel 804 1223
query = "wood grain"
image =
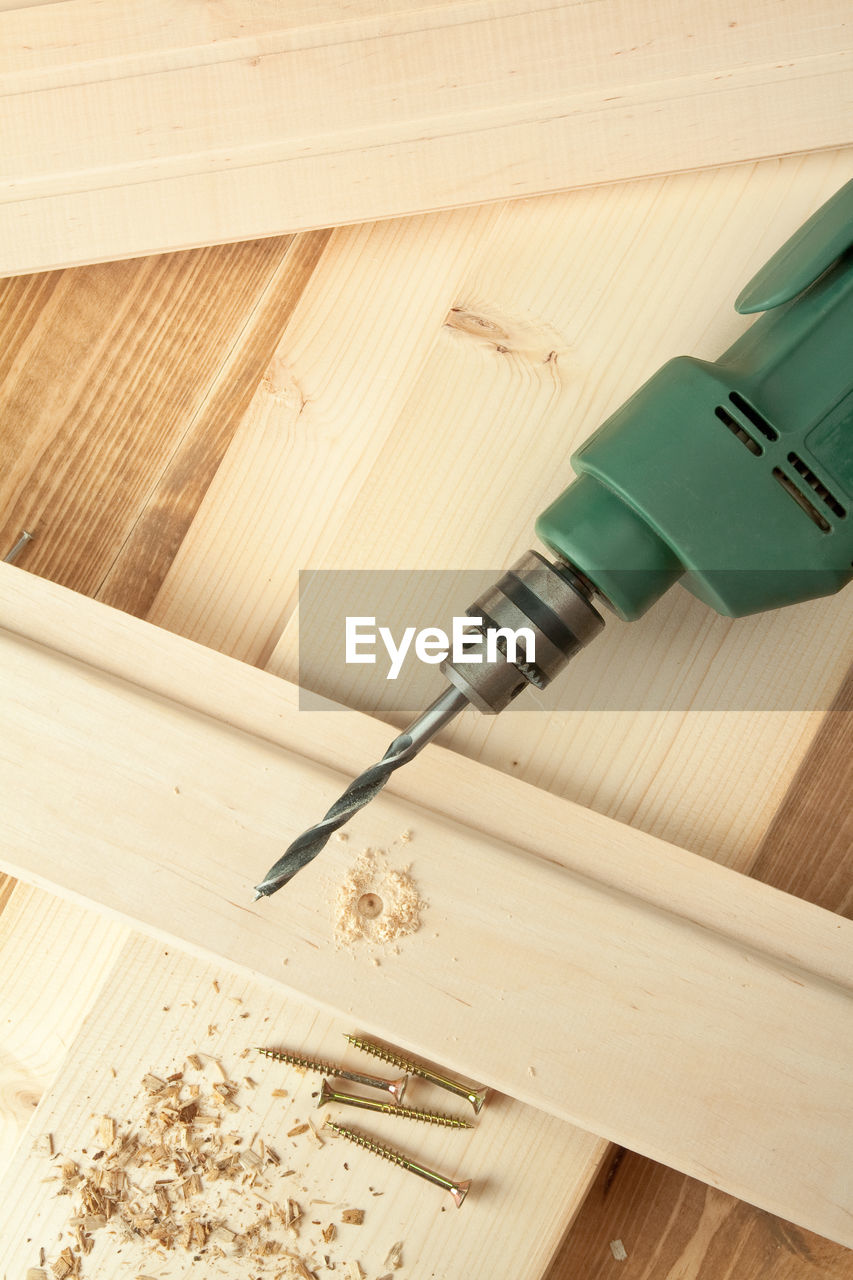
pixel 808 849
pixel 542 756
pixel 645 1042
pixel 140 567
pixel 426 425
pixel 156 125
pixel 44 1004
pixel 7 885
pixel 675 1228
pixel 119 379
pixel 673 1225
pixel 182 1005
pixel 321 419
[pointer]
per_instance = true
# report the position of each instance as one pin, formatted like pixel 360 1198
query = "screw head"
pixel 459 1192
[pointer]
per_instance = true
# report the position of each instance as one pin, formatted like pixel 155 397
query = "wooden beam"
pixel 613 980
pixel 145 126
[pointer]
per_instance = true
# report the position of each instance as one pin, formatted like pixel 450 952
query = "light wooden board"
pixel 95 503
pixel 181 1006
pixel 704 1023
pixel 711 780
pixel 208 683
pixel 392 432
pixel 43 1005
pixel 672 1224
pixel 137 127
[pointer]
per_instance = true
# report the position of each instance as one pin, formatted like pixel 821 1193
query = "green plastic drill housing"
pixel 736 476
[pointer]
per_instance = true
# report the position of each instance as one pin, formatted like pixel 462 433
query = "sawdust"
pixel 376 903
pixel 173 1180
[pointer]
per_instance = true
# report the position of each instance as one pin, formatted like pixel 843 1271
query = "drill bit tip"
pixel 359 792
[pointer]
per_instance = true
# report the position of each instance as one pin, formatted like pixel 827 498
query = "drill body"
pixel 734 476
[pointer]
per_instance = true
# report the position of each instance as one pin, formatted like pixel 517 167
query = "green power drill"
pixel 734 478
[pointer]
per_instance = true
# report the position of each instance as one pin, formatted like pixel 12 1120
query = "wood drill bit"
pixel 362 790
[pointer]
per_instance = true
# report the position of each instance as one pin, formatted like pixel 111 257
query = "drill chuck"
pixel 544 611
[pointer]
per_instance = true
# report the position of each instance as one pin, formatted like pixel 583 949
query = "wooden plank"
pixel 711 781
pixel 151 126
pixel 660 1214
pixel 208 683
pixel 322 416
pixel 808 849
pixel 414 442
pixel 183 1005
pixel 42 1008
pixel 109 444
pixel 669 1225
pixel 124 385
pixel 645 1042
pixel 7 887
pixel 139 569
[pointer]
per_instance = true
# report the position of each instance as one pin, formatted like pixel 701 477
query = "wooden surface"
pixel 138 127
pixel 427 422
pixel 663 772
pixel 181 1005
pixel 671 1225
pixel 704 1018
pixel 128 381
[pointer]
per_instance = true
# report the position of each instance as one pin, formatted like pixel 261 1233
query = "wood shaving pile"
pixel 142 1183
pixel 401 903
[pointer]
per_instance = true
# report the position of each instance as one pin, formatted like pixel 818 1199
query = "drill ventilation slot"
pixel 817 485
pixel 752 415
pixel 802 501
pixel 737 430
pixel 818 488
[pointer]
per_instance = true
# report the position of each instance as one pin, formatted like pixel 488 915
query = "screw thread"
pixel 386 1055
pixel 428 1117
pixel 328 1094
pixel 362 1140
pixel 475 1094
pixel 297 1060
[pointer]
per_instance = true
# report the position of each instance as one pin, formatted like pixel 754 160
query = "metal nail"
pixel 18 547
pixel 457 1189
pixel 328 1094
pixel 475 1094
pixel 396 1088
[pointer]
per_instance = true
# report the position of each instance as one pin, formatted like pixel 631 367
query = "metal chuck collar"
pixel 539 616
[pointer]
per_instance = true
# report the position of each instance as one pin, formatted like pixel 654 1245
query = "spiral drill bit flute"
pixel 362 790
pixel 735 477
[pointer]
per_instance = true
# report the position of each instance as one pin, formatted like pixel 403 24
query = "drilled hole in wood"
pixel 370 905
